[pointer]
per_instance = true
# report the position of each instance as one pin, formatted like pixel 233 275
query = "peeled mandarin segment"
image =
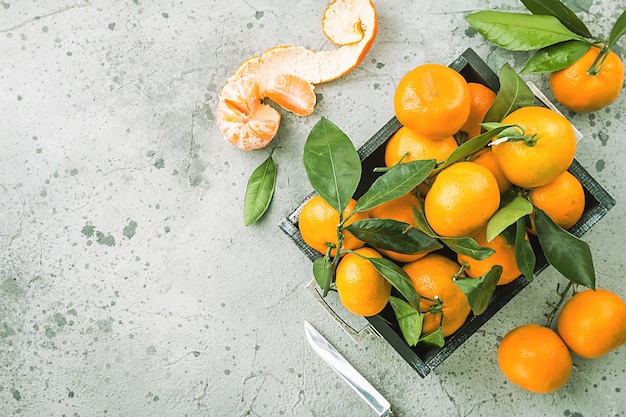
pixel 244 120
pixel 293 93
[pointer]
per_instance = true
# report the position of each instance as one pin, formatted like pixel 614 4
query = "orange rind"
pixel 287 75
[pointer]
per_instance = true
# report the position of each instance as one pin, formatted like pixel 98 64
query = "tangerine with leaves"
pixel 462 199
pixel 563 199
pixel 318 222
pixel 361 288
pixel 593 323
pixel 535 358
pixel 400 209
pixel 432 100
pixel 433 277
pixel 504 256
pixel 543 150
pixel 591 83
pixel 481 99
pixel 406 145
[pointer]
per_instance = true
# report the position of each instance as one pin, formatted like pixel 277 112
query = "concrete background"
pixel 129 285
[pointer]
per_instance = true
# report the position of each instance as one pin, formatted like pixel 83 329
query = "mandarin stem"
pixel 563 295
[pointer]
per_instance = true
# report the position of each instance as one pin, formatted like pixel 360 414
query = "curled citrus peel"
pixel 287 75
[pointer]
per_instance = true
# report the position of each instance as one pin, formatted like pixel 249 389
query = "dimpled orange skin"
pixel 486 159
pixel 361 288
pixel 579 91
pixel 318 223
pixel 504 256
pixel 416 147
pixel 481 99
pixel 593 323
pixel 562 199
pixel 432 276
pixel 462 199
pixel 533 166
pixel 433 100
pixel 535 358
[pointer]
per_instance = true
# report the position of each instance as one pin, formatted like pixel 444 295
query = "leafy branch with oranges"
pixel 585 74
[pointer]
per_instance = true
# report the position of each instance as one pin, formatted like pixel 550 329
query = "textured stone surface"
pixel 129 285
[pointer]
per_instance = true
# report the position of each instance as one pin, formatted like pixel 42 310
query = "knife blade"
pixel 347 372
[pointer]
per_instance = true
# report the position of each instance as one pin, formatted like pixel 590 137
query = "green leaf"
pixel 480 290
pixel 332 164
pixel 393 235
pixel 398 181
pixel 519 31
pixel 467 246
pixel 435 338
pixel 618 30
pixel 398 278
pixel 524 255
pixel 322 272
pixel 409 320
pixel 560 11
pixel 567 253
pixel 259 191
pixel 555 57
pixel 422 223
pixel 513 94
pixel 508 215
pixel 472 146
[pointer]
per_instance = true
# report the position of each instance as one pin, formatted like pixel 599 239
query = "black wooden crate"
pixel 424 358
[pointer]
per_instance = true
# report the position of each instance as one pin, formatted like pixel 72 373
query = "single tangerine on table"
pixel 581 90
pixel 547 156
pixel 318 222
pixel 400 209
pixel 433 277
pixel 361 288
pixel 535 358
pixel 504 256
pixel 481 99
pixel 462 199
pixel 593 323
pixel 406 145
pixel 563 200
pixel 432 100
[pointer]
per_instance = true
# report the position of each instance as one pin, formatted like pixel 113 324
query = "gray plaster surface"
pixel 129 285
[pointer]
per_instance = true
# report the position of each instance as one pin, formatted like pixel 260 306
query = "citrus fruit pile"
pixel 452 218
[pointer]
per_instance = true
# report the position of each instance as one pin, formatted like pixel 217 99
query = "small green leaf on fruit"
pixel 480 290
pixel 409 320
pixel 555 57
pixel 513 94
pixel 570 255
pixel 398 278
pixel 393 235
pixel 332 164
pixel 618 30
pixel 507 215
pixel 524 255
pixel 435 338
pixel 467 246
pixel 396 182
